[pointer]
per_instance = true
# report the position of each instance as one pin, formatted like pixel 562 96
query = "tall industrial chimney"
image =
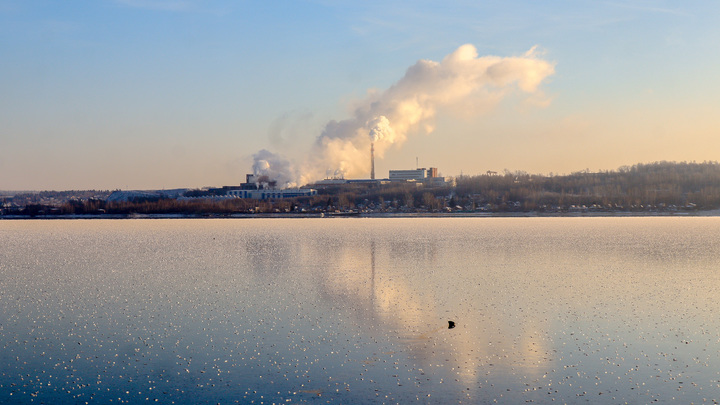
pixel 372 161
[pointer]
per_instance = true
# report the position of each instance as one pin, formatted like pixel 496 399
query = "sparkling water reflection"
pixel 601 310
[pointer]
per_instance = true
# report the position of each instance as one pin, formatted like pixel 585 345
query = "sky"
pixel 151 94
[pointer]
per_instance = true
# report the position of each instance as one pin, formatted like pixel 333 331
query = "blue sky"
pixel 112 94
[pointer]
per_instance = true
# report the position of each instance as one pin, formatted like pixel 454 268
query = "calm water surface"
pixel 561 310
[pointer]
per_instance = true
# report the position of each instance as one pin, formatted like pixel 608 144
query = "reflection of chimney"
pixel 372 161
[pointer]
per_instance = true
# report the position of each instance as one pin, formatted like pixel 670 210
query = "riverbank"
pixel 353 214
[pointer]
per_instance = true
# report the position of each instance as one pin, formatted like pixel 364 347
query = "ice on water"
pixel 565 310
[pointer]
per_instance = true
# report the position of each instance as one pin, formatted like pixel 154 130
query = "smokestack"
pixel 372 161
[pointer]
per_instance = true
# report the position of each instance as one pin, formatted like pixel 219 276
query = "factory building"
pixel 424 176
pixel 419 175
pixel 331 182
pixel 254 189
pixel 407 175
pixel 266 194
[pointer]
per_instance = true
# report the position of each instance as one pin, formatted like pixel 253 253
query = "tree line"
pixel 658 186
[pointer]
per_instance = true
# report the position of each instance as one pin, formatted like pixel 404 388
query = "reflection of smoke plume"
pixel 273 167
pixel 410 105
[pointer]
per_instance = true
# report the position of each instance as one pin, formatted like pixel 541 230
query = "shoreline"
pixel 531 214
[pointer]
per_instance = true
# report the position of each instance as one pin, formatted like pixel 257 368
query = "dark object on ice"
pixel 451 324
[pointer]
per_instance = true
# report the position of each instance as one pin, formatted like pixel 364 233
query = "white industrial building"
pixel 265 194
pixel 407 175
pixel 420 175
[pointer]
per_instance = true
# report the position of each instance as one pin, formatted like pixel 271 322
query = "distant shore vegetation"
pixel 652 187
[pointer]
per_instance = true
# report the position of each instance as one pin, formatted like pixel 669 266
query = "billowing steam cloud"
pixel 274 167
pixel 381 130
pixel 408 107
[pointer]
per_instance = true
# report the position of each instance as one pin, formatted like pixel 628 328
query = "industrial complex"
pixel 428 177
pixel 261 187
pixel 255 189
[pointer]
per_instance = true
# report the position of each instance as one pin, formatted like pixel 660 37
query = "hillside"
pixel 659 185
pixel 655 187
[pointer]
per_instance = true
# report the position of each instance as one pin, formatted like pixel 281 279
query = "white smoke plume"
pixel 381 130
pixel 274 167
pixel 409 107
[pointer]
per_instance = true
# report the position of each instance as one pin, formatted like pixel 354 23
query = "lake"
pixel 358 310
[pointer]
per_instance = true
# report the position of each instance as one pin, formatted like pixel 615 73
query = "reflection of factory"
pixel 256 189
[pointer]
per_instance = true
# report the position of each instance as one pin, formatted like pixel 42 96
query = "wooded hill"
pixel 659 185
pixel 653 187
